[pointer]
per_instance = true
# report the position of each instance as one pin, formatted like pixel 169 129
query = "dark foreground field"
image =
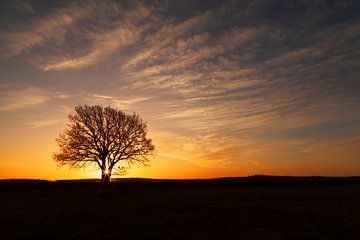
pixel 235 208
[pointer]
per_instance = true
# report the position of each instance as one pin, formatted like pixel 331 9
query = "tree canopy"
pixel 104 137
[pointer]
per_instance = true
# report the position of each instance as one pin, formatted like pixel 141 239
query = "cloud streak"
pixel 20 98
pixel 42 30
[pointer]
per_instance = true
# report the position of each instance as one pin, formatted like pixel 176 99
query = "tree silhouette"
pixel 104 137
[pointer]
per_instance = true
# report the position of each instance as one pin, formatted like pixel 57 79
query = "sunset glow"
pixel 227 88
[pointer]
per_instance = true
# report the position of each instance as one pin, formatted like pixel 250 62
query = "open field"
pixel 231 208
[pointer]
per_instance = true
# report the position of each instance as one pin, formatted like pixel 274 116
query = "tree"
pixel 104 137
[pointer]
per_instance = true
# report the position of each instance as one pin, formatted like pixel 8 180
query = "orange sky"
pixel 226 89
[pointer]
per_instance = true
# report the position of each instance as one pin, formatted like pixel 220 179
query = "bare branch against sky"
pixel 105 138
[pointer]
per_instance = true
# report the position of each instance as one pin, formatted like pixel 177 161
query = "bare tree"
pixel 104 137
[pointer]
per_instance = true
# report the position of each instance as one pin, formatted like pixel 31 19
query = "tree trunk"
pixel 105 180
pixel 105 183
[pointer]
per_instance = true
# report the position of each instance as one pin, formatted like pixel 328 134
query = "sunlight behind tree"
pixel 104 137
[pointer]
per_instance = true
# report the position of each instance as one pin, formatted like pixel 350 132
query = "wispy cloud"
pixel 127 103
pixel 23 7
pixel 225 81
pixel 102 96
pixel 19 98
pixel 39 31
pixel 102 45
pixel 57 29
pixel 43 123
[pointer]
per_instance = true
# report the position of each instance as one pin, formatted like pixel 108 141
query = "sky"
pixel 227 88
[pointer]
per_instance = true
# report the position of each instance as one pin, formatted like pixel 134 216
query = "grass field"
pixel 235 208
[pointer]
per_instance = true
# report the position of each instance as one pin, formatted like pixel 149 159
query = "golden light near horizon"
pixel 226 88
